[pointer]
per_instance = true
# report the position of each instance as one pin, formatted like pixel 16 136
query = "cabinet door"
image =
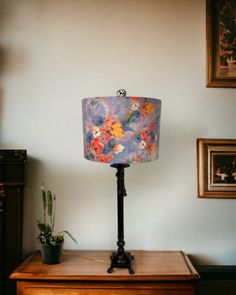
pixel 47 288
pixel 12 234
pixel 2 198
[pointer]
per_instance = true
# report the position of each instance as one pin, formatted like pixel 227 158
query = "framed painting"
pixel 216 168
pixel 221 43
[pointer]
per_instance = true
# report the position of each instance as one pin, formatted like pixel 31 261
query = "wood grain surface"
pixel 91 265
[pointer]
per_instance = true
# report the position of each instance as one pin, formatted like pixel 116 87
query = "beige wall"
pixel 55 52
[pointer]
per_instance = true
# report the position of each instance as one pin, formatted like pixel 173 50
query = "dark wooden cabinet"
pixel 12 167
pixel 85 273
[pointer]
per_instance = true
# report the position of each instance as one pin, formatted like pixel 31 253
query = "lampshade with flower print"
pixel 121 130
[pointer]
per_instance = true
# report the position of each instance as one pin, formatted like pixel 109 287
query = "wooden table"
pixel 85 273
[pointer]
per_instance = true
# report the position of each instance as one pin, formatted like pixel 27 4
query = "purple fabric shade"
pixel 121 130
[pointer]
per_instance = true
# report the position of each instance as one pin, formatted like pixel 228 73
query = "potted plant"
pixel 51 243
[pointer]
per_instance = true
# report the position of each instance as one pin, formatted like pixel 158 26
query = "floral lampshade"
pixel 121 130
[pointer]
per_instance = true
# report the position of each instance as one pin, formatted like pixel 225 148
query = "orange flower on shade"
pixel 96 146
pixel 150 148
pixel 116 130
pixel 149 109
pixel 107 124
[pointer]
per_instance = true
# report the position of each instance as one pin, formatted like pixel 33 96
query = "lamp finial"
pixel 121 92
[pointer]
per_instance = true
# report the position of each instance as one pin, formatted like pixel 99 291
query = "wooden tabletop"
pixel 92 265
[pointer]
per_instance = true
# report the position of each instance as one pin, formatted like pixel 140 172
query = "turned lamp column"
pixel 120 258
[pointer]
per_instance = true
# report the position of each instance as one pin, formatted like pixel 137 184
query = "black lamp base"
pixel 121 259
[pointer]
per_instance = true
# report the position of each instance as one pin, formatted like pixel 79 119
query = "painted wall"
pixel 54 53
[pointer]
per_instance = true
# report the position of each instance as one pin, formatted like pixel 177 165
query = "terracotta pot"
pixel 51 254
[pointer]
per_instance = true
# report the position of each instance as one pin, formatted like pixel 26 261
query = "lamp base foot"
pixel 121 259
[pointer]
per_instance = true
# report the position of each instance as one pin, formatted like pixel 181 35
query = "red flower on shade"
pixel 135 98
pixel 148 142
pixel 96 146
pixel 138 158
pixel 152 126
pixel 145 133
pixel 102 159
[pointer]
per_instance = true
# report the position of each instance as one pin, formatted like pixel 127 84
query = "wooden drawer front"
pixel 28 288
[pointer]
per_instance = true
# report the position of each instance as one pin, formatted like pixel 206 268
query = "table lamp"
pixel 121 130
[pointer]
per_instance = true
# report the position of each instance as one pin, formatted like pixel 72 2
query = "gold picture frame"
pixel 221 43
pixel 216 168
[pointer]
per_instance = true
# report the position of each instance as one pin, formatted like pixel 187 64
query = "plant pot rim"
pixel 42 244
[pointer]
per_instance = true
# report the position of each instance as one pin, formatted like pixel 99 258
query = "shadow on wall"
pixel 198 259
pixel 12 60
pixel 29 241
pixel 70 185
pixel 1 60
